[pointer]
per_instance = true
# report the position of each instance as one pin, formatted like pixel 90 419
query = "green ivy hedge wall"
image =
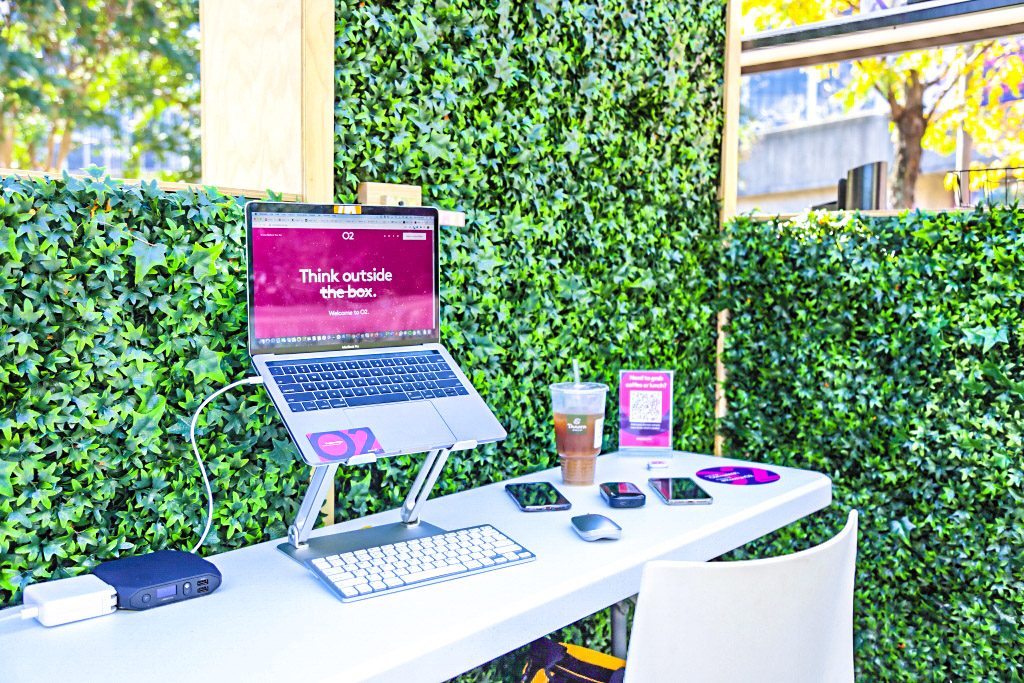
pixel 886 352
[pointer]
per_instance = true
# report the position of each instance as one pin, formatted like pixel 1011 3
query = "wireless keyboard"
pixel 385 569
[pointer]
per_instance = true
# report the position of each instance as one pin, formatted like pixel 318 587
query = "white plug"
pixel 62 601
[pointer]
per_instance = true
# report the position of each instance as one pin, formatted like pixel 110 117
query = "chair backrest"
pixel 784 618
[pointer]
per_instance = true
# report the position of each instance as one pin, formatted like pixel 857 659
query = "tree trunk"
pixel 6 143
pixel 911 122
pixel 65 147
pixel 47 162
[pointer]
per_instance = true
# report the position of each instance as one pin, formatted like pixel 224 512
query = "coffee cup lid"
pixel 578 387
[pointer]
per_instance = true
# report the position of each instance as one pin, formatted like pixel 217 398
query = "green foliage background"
pixel 886 353
pixel 583 145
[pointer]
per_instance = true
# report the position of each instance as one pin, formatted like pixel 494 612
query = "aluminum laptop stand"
pixel 300 547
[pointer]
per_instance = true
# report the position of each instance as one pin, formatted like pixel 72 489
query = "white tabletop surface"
pixel 272 620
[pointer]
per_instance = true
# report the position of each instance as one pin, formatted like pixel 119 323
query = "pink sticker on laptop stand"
pixel 738 476
pixel 343 444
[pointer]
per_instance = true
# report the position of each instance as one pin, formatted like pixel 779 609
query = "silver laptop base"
pixel 301 547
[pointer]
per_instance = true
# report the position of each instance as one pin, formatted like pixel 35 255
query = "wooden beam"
pixel 318 102
pixel 863 36
pixel 728 184
pixel 389 194
pixel 163 185
pixel 867 213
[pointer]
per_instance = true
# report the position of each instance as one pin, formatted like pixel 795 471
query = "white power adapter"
pixel 54 603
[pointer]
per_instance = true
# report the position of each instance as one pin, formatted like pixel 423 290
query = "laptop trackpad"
pixel 404 427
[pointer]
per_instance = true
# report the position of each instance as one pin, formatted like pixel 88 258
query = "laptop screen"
pixel 320 280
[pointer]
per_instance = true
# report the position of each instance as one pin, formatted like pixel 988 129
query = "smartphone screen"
pixel 537 496
pixel 680 491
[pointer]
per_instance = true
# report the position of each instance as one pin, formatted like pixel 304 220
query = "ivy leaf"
pixel 206 366
pixel 146 425
pixel 7 477
pixel 147 257
pixel 986 336
pixel 12 245
pixel 204 259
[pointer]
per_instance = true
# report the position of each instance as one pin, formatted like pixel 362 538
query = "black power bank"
pixel 158 578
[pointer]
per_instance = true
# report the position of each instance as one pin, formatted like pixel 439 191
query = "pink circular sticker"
pixel 738 476
pixel 335 444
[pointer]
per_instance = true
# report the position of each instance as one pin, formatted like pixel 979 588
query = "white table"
pixel 272 620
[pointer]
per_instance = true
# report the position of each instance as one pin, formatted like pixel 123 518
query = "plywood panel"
pixel 251 82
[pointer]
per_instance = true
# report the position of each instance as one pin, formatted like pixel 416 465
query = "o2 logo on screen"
pixel 340 445
pixel 348 236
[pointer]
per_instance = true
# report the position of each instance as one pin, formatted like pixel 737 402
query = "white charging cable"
pixel 199 459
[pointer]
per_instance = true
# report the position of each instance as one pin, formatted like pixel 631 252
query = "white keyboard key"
pixel 434 573
pixel 349 591
pixel 377 585
pixel 338 574
pixel 486 561
pixel 510 556
pixel 393 581
pixel 341 583
pixel 363 588
pixel 508 548
pixel 321 563
pixel 472 564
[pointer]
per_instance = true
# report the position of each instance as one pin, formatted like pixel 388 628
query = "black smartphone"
pixel 537 497
pixel 622 494
pixel 680 491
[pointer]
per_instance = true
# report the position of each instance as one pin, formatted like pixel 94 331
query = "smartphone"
pixel 680 491
pixel 622 494
pixel 537 497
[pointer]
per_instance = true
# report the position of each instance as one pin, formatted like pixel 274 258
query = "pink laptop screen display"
pixel 321 280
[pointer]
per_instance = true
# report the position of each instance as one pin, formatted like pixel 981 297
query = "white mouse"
pixel 596 527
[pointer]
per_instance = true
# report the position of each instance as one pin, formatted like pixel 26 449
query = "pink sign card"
pixel 645 409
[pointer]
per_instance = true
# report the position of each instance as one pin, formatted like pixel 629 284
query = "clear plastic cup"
pixel 579 425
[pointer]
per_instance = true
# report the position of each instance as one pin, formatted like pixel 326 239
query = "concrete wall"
pixel 792 168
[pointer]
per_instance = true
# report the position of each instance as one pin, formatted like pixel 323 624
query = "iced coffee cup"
pixel 579 426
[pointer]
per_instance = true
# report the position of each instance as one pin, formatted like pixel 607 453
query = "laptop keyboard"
pixel 349 382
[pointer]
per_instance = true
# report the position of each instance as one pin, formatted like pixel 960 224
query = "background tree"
pixel 931 94
pixel 128 65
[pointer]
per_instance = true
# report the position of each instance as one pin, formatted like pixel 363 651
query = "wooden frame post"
pixel 728 184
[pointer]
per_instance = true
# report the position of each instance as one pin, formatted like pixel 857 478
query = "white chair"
pixel 784 618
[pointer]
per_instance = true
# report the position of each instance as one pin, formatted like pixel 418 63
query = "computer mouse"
pixel 596 527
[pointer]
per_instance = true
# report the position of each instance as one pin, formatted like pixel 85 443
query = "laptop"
pixel 344 329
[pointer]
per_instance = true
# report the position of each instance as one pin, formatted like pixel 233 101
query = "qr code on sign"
pixel 645 407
